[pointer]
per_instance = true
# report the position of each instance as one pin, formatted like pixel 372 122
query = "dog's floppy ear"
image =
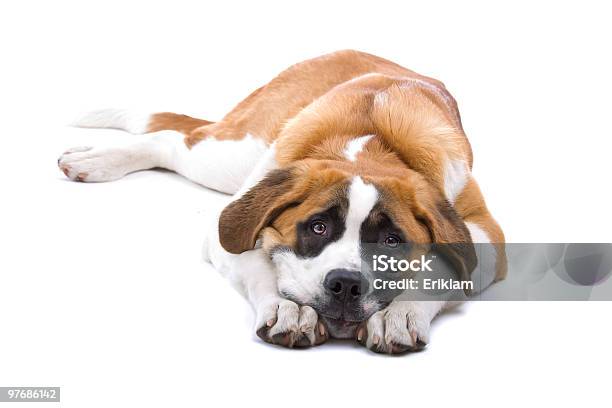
pixel 451 238
pixel 243 219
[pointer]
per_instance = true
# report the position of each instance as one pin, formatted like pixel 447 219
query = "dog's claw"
pixel 321 328
pixel 360 333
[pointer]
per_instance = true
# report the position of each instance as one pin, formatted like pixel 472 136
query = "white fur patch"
pixel 265 164
pixel 381 98
pixel 362 198
pixel 355 146
pixel 484 274
pixel 477 233
pixel 455 178
pixel 133 122
pixel 303 277
pixel 222 165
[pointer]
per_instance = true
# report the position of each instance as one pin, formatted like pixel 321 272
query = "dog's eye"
pixel 392 241
pixel 318 227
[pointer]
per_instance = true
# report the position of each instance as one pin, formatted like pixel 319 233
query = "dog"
pixel 335 152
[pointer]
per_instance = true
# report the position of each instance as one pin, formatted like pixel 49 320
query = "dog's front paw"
pixel 402 326
pixel 287 324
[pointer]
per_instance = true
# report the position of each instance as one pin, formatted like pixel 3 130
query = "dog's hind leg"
pixel 222 165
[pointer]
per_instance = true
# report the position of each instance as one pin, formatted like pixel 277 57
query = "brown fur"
pixel 311 111
pixel 265 112
pixel 242 220
pixel 471 207
pixel 173 121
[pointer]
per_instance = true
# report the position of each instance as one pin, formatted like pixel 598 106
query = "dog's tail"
pixel 138 123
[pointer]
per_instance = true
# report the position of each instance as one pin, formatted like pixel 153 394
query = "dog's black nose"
pixel 344 285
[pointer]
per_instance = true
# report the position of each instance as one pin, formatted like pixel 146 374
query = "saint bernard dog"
pixel 334 153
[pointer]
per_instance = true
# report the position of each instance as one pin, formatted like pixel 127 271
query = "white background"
pixel 102 290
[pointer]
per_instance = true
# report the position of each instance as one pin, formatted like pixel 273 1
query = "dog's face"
pixel 315 219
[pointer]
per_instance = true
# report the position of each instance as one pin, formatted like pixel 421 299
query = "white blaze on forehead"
pixel 303 277
pixel 346 252
pixel 355 146
pixel 362 198
pixel 456 175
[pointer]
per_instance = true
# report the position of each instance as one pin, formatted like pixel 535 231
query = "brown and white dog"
pixel 336 151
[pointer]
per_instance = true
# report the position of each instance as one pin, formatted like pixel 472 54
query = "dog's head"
pixel 314 218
